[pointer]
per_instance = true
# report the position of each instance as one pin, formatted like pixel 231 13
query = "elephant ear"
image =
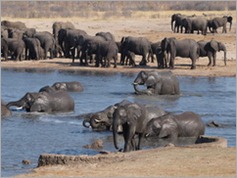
pixel 214 45
pixel 134 112
pixel 165 131
pixel 151 80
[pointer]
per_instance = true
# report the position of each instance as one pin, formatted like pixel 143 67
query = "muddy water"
pixel 26 136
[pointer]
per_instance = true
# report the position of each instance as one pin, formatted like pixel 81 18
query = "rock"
pixel 96 145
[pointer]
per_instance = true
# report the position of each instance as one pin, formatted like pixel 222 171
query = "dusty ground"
pixel 166 161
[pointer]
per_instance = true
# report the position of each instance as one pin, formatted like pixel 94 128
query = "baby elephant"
pixel 187 124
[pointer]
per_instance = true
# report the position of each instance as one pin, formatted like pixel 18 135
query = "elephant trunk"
pixel 230 25
pixel 115 130
pixel 172 24
pixel 225 57
pixel 135 86
pixel 15 103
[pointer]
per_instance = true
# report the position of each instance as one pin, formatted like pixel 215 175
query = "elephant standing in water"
pixel 209 49
pixel 49 102
pixel 157 83
pixel 133 118
pixel 187 124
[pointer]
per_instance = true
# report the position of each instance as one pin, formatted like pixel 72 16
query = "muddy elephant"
pixel 157 83
pixel 217 22
pixel 132 118
pixel 186 124
pixel 137 45
pixel 5 112
pixel 210 48
pixel 64 86
pixel 187 48
pixel 48 102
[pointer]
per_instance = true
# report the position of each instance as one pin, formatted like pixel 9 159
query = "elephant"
pixel 33 46
pixel 9 24
pixel 5 112
pixel 16 48
pixel 101 120
pixel 4 48
pixel 217 22
pixel 195 24
pixel 132 119
pixel 59 25
pixel 209 49
pixel 182 48
pixel 137 45
pixel 64 86
pixel 161 57
pixel 106 50
pixel 48 102
pixel 106 35
pixel 177 22
pixel 157 83
pixel 47 42
pixel 186 124
pixel 67 39
pixel 129 56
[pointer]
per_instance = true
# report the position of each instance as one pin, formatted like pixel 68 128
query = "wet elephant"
pixel 157 83
pixel 64 86
pixel 186 124
pixel 48 102
pixel 133 118
pixel 101 120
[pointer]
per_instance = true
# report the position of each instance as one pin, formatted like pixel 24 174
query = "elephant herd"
pixel 66 41
pixel 133 120
pixel 199 23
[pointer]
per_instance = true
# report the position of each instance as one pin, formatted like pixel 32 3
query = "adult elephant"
pixel 217 22
pixel 157 83
pixel 59 25
pixel 48 102
pixel 177 22
pixel 33 49
pixel 67 39
pixel 106 35
pixel 161 57
pixel 10 24
pixel 187 48
pixel 195 24
pixel 5 112
pixel 137 45
pixel 187 124
pixel 210 48
pixel 64 86
pixel 101 120
pixel 133 118
pixel 16 48
pixel 47 42
pixel 105 51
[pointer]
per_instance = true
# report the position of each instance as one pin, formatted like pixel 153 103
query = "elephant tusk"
pixel 135 83
pixel 96 120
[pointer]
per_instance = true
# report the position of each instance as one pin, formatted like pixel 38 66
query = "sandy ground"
pixel 173 161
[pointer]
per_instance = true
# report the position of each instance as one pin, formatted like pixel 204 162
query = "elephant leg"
pixel 193 66
pixel 214 59
pixel 140 135
pixel 210 59
pixel 143 61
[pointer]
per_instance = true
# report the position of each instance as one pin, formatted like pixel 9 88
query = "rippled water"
pixel 26 136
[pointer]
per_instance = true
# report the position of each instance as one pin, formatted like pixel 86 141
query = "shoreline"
pixel 182 67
